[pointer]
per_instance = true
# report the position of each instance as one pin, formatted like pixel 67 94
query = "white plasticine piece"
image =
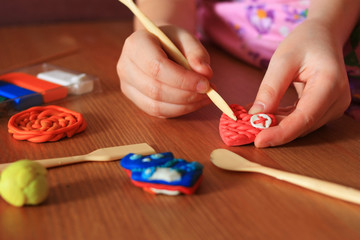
pixel 60 77
pixel 260 125
pixel 165 191
pixel 76 83
pixel 147 159
pixel 165 174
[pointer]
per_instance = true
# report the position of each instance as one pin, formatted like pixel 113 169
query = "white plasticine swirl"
pixel 261 125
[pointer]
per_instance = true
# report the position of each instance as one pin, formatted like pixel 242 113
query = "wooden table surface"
pixel 97 200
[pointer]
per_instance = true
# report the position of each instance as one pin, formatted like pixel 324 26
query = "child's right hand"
pixel 311 58
pixel 158 85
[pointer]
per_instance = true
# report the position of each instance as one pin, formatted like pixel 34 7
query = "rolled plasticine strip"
pixel 45 124
pixel 49 91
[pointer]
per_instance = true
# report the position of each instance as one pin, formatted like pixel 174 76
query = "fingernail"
pixel 202 86
pixel 257 107
pixel 264 145
pixel 205 64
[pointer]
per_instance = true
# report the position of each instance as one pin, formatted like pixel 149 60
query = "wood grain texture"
pixel 97 200
pixel 17 12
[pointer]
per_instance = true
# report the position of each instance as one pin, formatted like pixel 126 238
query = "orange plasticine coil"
pixel 45 124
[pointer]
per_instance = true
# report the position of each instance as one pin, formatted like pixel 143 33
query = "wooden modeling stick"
pixel 101 155
pixel 228 160
pixel 175 54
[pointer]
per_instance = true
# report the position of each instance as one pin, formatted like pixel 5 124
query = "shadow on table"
pixel 92 187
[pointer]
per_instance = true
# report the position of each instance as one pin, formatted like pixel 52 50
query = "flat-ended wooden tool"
pixel 228 160
pixel 99 155
pixel 175 54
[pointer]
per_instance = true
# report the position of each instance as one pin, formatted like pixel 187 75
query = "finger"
pixel 290 128
pixel 161 109
pixel 157 90
pixel 299 122
pixel 299 87
pixel 335 111
pixel 276 81
pixel 193 50
pixel 287 130
pixel 309 115
pixel 157 65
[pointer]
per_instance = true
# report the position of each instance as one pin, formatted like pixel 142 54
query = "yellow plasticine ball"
pixel 24 182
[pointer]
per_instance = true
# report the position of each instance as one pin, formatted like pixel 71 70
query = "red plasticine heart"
pixel 245 129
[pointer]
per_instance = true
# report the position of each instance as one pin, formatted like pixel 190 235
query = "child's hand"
pixel 312 59
pixel 158 85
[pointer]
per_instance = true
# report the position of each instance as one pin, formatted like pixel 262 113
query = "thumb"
pixel 276 81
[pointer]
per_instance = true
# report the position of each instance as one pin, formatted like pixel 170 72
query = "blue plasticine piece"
pixel 21 97
pixel 132 160
pixel 143 167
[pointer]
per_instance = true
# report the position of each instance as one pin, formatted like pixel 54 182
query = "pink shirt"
pixel 251 29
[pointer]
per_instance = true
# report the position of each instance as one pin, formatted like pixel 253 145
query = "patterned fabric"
pixel 250 29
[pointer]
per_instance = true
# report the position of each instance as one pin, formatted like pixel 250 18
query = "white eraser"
pixel 76 83
pixel 61 77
